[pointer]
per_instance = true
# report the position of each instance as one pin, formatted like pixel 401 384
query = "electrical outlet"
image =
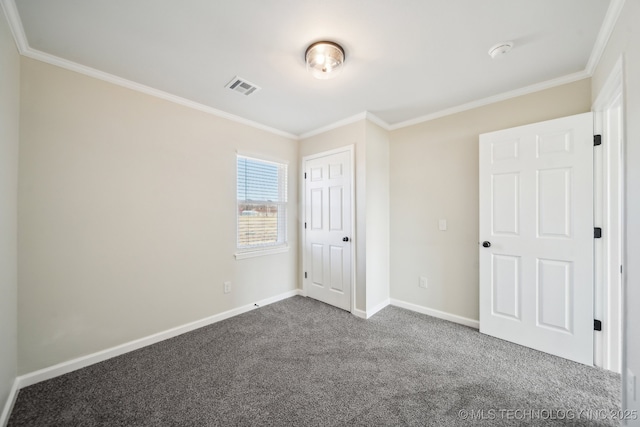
pixel 631 385
pixel 423 282
pixel 227 287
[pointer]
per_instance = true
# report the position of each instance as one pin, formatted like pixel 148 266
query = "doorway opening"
pixel 328 229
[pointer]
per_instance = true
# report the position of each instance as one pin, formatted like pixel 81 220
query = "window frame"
pixel 282 245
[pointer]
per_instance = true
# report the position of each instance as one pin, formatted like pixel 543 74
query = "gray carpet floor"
pixel 299 362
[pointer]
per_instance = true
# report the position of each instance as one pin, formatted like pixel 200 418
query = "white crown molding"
pixel 493 99
pixel 92 72
pixel 604 34
pixel 334 125
pixel 610 19
pixel 365 115
pixel 548 84
pixel 606 29
pixel 15 24
pixel 377 120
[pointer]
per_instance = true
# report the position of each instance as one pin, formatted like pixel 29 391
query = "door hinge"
pixel 305 225
pixel 597 325
pixel 597 140
pixel 305 175
pixel 597 232
pixel 305 274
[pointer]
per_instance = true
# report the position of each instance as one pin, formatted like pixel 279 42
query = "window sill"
pixel 261 252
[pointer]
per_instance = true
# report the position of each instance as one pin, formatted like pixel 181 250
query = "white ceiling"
pixel 406 59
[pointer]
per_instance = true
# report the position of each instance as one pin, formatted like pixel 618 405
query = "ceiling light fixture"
pixel 499 50
pixel 324 59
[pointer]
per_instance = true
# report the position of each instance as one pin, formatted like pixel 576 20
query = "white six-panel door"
pixel 536 224
pixel 328 228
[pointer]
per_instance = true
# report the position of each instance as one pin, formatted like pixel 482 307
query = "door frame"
pixel 608 344
pixel 350 149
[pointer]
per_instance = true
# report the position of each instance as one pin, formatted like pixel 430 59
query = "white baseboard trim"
pixel 90 359
pixel 359 313
pixel 436 313
pixel 378 307
pixel 8 405
pixel 367 314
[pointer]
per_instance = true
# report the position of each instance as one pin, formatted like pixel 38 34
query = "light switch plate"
pixel 442 225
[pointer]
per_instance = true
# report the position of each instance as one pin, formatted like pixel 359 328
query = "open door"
pixel 536 236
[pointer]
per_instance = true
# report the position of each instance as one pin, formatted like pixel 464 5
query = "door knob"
pixel 486 244
pixel 345 239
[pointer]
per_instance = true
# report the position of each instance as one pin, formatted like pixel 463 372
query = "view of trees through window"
pixel 262 192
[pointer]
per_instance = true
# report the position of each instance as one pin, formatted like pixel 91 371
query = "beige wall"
pixel 434 175
pixel 625 42
pixel 9 136
pixel 372 204
pixel 127 216
pixel 377 215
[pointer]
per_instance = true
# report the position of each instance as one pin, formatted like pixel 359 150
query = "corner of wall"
pixel 9 147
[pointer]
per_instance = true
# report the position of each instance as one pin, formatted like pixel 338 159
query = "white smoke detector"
pixel 499 50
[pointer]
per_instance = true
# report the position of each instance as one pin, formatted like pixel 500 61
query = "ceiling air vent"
pixel 240 85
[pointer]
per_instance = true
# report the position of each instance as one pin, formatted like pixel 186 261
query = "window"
pixel 262 204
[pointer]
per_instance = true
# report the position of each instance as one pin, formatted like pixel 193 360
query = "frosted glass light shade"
pixel 324 59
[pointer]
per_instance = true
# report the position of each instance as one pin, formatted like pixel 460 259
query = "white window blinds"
pixel 262 203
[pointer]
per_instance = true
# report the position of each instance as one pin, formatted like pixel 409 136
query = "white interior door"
pixel 328 228
pixel 536 235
